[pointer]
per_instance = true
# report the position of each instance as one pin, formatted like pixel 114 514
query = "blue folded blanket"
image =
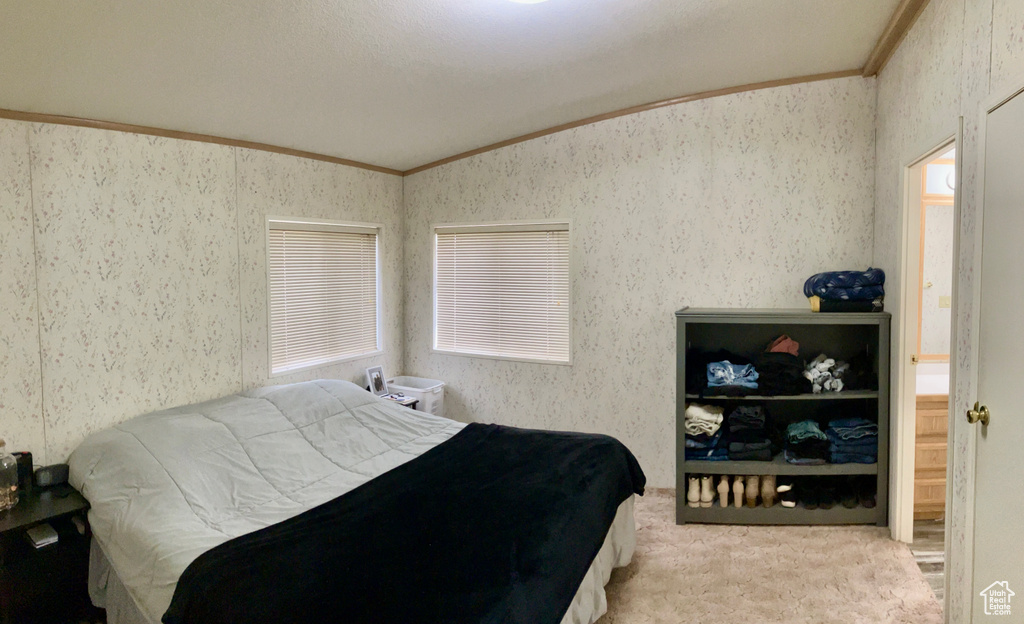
pixel 846 285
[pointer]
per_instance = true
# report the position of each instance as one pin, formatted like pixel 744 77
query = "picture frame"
pixel 376 381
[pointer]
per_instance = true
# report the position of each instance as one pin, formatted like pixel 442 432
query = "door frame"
pixel 904 344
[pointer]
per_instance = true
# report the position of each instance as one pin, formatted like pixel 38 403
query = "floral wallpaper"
pixel 957 54
pixel 137 264
pixel 277 185
pixel 726 202
pixel 146 257
pixel 21 408
pixel 1007 41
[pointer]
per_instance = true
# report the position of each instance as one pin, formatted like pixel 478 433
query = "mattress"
pixel 168 486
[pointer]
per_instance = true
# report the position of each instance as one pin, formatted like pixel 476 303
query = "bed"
pixel 183 498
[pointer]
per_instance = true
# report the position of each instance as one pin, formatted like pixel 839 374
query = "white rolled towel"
pixel 705 413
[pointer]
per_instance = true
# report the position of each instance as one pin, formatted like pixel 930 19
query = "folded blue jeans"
pixel 852 433
pixel 853 458
pixel 703 441
pixel 866 448
pixel 802 461
pixel 725 373
pixel 715 454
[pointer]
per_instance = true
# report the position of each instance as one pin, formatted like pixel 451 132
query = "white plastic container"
pixel 429 392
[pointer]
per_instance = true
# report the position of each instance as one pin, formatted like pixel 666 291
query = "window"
pixel 503 291
pixel 322 292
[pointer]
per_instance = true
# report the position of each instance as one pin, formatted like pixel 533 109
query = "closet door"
pixel 999 494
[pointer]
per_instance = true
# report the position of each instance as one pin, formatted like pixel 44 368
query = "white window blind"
pixel 503 291
pixel 323 293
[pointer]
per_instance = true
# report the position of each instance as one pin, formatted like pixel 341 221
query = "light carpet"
pixel 719 574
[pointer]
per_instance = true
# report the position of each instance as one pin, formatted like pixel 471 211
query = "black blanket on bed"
pixel 497 524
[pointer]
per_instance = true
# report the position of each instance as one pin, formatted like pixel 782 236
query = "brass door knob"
pixel 980 412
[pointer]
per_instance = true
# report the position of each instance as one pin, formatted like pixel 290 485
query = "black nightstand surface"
pixel 48 584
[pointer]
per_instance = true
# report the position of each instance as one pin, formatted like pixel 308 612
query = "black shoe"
pixel 809 494
pixel 848 493
pixel 787 492
pixel 866 492
pixel 827 494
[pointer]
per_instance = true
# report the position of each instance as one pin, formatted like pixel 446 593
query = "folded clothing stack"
pixel 861 375
pixel 780 370
pixel 826 374
pixel 703 425
pixel 806 444
pixel 697 361
pixel 702 419
pixel 846 291
pixel 725 373
pixel 837 305
pixel 853 441
pixel 748 437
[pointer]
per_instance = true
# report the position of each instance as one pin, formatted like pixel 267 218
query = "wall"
pixel 132 273
pixel 939 242
pixel 955 56
pixel 730 202
pixel 21 407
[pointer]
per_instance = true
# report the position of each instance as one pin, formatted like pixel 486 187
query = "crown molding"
pixel 637 109
pixel 896 30
pixel 186 136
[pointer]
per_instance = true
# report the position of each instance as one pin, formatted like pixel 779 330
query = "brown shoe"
pixel 751 489
pixel 737 490
pixel 723 491
pixel 768 490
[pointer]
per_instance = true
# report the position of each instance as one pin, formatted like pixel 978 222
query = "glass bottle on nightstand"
pixel 8 478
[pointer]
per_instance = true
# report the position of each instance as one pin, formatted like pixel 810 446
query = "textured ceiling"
pixel 405 82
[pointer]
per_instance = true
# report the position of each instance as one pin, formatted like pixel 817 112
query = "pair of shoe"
pixel 818 493
pixel 748 488
pixel 859 490
pixel 811 492
pixel 787 492
pixel 825 492
pixel 699 492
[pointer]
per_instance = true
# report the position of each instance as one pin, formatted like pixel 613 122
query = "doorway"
pixel 931 251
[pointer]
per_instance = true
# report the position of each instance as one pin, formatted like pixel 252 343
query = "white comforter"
pixel 168 486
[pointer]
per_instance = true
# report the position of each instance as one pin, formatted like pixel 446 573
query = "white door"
pixel 999 484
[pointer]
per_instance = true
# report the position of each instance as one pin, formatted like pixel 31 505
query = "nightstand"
pixel 406 401
pixel 48 584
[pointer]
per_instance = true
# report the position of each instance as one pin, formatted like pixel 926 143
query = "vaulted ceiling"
pixel 400 83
